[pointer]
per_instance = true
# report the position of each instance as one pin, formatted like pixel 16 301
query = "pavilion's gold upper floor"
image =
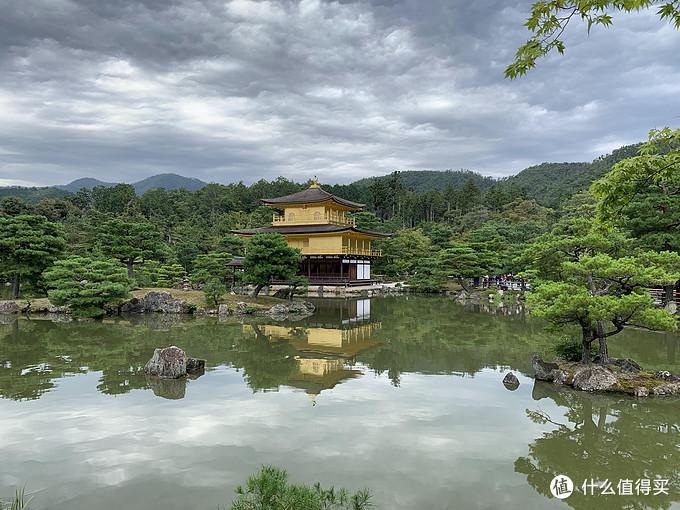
pixel 318 223
pixel 312 214
pixel 313 206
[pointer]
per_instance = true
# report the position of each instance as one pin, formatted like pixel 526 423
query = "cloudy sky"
pixel 240 90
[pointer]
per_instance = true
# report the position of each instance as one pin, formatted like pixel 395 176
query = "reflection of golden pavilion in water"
pixel 327 343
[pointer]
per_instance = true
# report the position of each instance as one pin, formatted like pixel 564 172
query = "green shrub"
pixel 270 490
pixel 569 349
pixel 214 291
pixel 87 285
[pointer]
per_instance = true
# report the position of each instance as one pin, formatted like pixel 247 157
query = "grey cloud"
pixel 240 90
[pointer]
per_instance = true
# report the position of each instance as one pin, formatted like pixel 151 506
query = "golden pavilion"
pixel 318 223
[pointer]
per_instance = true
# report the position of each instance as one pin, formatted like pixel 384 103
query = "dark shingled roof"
pixel 313 194
pixel 307 229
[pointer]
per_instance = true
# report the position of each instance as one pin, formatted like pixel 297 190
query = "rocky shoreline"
pixel 163 302
pixel 620 376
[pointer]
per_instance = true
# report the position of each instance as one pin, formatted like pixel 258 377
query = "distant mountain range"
pixel 548 183
pixel 165 181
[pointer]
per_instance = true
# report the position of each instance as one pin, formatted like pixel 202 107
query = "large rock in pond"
pixel 594 378
pixel 163 302
pixel 544 371
pixel 173 363
pixel 170 363
pixel 8 308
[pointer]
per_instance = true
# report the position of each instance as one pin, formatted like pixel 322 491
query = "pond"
pixel 402 395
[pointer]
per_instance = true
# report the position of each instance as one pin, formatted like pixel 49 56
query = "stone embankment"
pixel 295 310
pixel 162 302
pixel 621 375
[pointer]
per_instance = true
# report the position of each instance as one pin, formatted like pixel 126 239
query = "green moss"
pixel 645 379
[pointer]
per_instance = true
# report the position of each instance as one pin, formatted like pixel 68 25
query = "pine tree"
pixel 131 243
pixel 87 285
pixel 28 245
pixel 268 257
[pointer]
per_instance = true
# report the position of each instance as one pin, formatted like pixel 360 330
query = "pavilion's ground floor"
pixel 336 269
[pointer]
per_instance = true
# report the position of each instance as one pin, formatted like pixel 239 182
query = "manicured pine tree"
pixel 28 245
pixel 212 266
pixel 591 276
pixel 87 285
pixel 268 257
pixel 463 261
pixel 170 275
pixel 129 242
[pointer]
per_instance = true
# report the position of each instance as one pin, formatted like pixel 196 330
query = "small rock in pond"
pixel 510 381
pixel 195 366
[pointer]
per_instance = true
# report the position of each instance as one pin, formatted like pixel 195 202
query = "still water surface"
pixel 402 395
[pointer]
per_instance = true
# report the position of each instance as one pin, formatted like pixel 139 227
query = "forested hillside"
pixel 551 183
pixel 428 180
pixel 32 195
pixel 548 183
pixel 85 182
pixel 465 231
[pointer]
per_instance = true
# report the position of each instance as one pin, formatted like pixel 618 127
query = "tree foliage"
pixel 593 277
pixel 656 167
pixel 549 20
pixel 401 253
pixel 463 261
pixel 214 290
pixel 269 257
pixel 130 242
pixel 87 285
pixel 212 266
pixel 28 245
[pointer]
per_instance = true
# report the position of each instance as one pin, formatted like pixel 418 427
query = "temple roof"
pixel 313 194
pixel 307 229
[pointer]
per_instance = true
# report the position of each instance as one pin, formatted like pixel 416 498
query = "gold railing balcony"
pixel 347 250
pixel 313 219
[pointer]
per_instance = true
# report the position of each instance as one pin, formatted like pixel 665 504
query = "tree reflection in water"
pixel 605 437
pixel 342 341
